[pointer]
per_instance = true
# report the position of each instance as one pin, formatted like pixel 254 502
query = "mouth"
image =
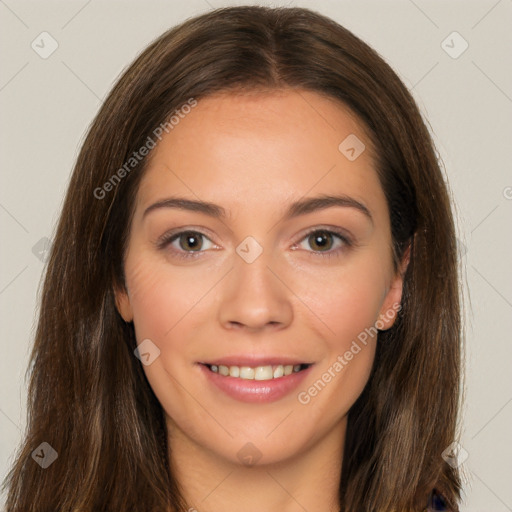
pixel 260 373
pixel 255 379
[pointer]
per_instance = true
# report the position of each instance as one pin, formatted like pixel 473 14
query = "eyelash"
pixel 166 239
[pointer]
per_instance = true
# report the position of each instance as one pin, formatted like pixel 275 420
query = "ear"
pixel 123 304
pixel 392 302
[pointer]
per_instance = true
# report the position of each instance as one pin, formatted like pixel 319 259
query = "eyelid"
pixel 347 242
pixel 171 236
pixel 347 237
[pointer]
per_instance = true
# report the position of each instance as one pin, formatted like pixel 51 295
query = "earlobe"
pixel 123 304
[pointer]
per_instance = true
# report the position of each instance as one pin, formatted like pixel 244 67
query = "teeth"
pixel 256 373
pixel 278 372
pixel 263 373
pixel 247 372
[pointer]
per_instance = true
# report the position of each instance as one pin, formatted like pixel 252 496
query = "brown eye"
pixel 185 244
pixel 190 240
pixel 325 242
pixel 320 240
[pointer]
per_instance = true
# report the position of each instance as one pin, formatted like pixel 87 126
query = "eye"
pixel 185 244
pixel 190 243
pixel 322 242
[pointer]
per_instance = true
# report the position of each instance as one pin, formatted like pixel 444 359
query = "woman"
pixel 252 297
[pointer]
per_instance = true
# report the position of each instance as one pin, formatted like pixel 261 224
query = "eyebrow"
pixel 301 207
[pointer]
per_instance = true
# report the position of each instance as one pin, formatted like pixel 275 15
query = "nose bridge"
pixel 254 296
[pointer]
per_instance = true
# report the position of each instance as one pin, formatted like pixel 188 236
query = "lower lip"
pixel 256 391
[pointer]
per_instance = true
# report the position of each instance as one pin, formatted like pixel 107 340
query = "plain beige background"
pixel 47 104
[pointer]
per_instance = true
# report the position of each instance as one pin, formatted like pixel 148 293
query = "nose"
pixel 255 296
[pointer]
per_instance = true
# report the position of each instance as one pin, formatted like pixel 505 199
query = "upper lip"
pixel 254 361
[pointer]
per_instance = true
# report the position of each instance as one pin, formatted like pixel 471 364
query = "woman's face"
pixel 261 283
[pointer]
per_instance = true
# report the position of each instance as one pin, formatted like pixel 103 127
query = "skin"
pixel 253 155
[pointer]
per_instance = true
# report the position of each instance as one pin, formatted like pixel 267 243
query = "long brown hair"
pixel 89 398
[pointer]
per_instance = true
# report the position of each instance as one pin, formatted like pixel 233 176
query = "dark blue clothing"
pixel 436 502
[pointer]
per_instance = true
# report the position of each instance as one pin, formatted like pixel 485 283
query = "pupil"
pixel 320 239
pixel 190 240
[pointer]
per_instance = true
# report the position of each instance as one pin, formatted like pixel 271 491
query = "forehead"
pixel 256 151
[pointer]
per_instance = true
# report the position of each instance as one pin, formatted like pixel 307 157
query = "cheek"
pixel 349 351
pixel 163 304
pixel 161 298
pixel 348 303
pixel 347 300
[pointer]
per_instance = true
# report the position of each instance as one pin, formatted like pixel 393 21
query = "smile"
pixel 270 380
pixel 268 372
